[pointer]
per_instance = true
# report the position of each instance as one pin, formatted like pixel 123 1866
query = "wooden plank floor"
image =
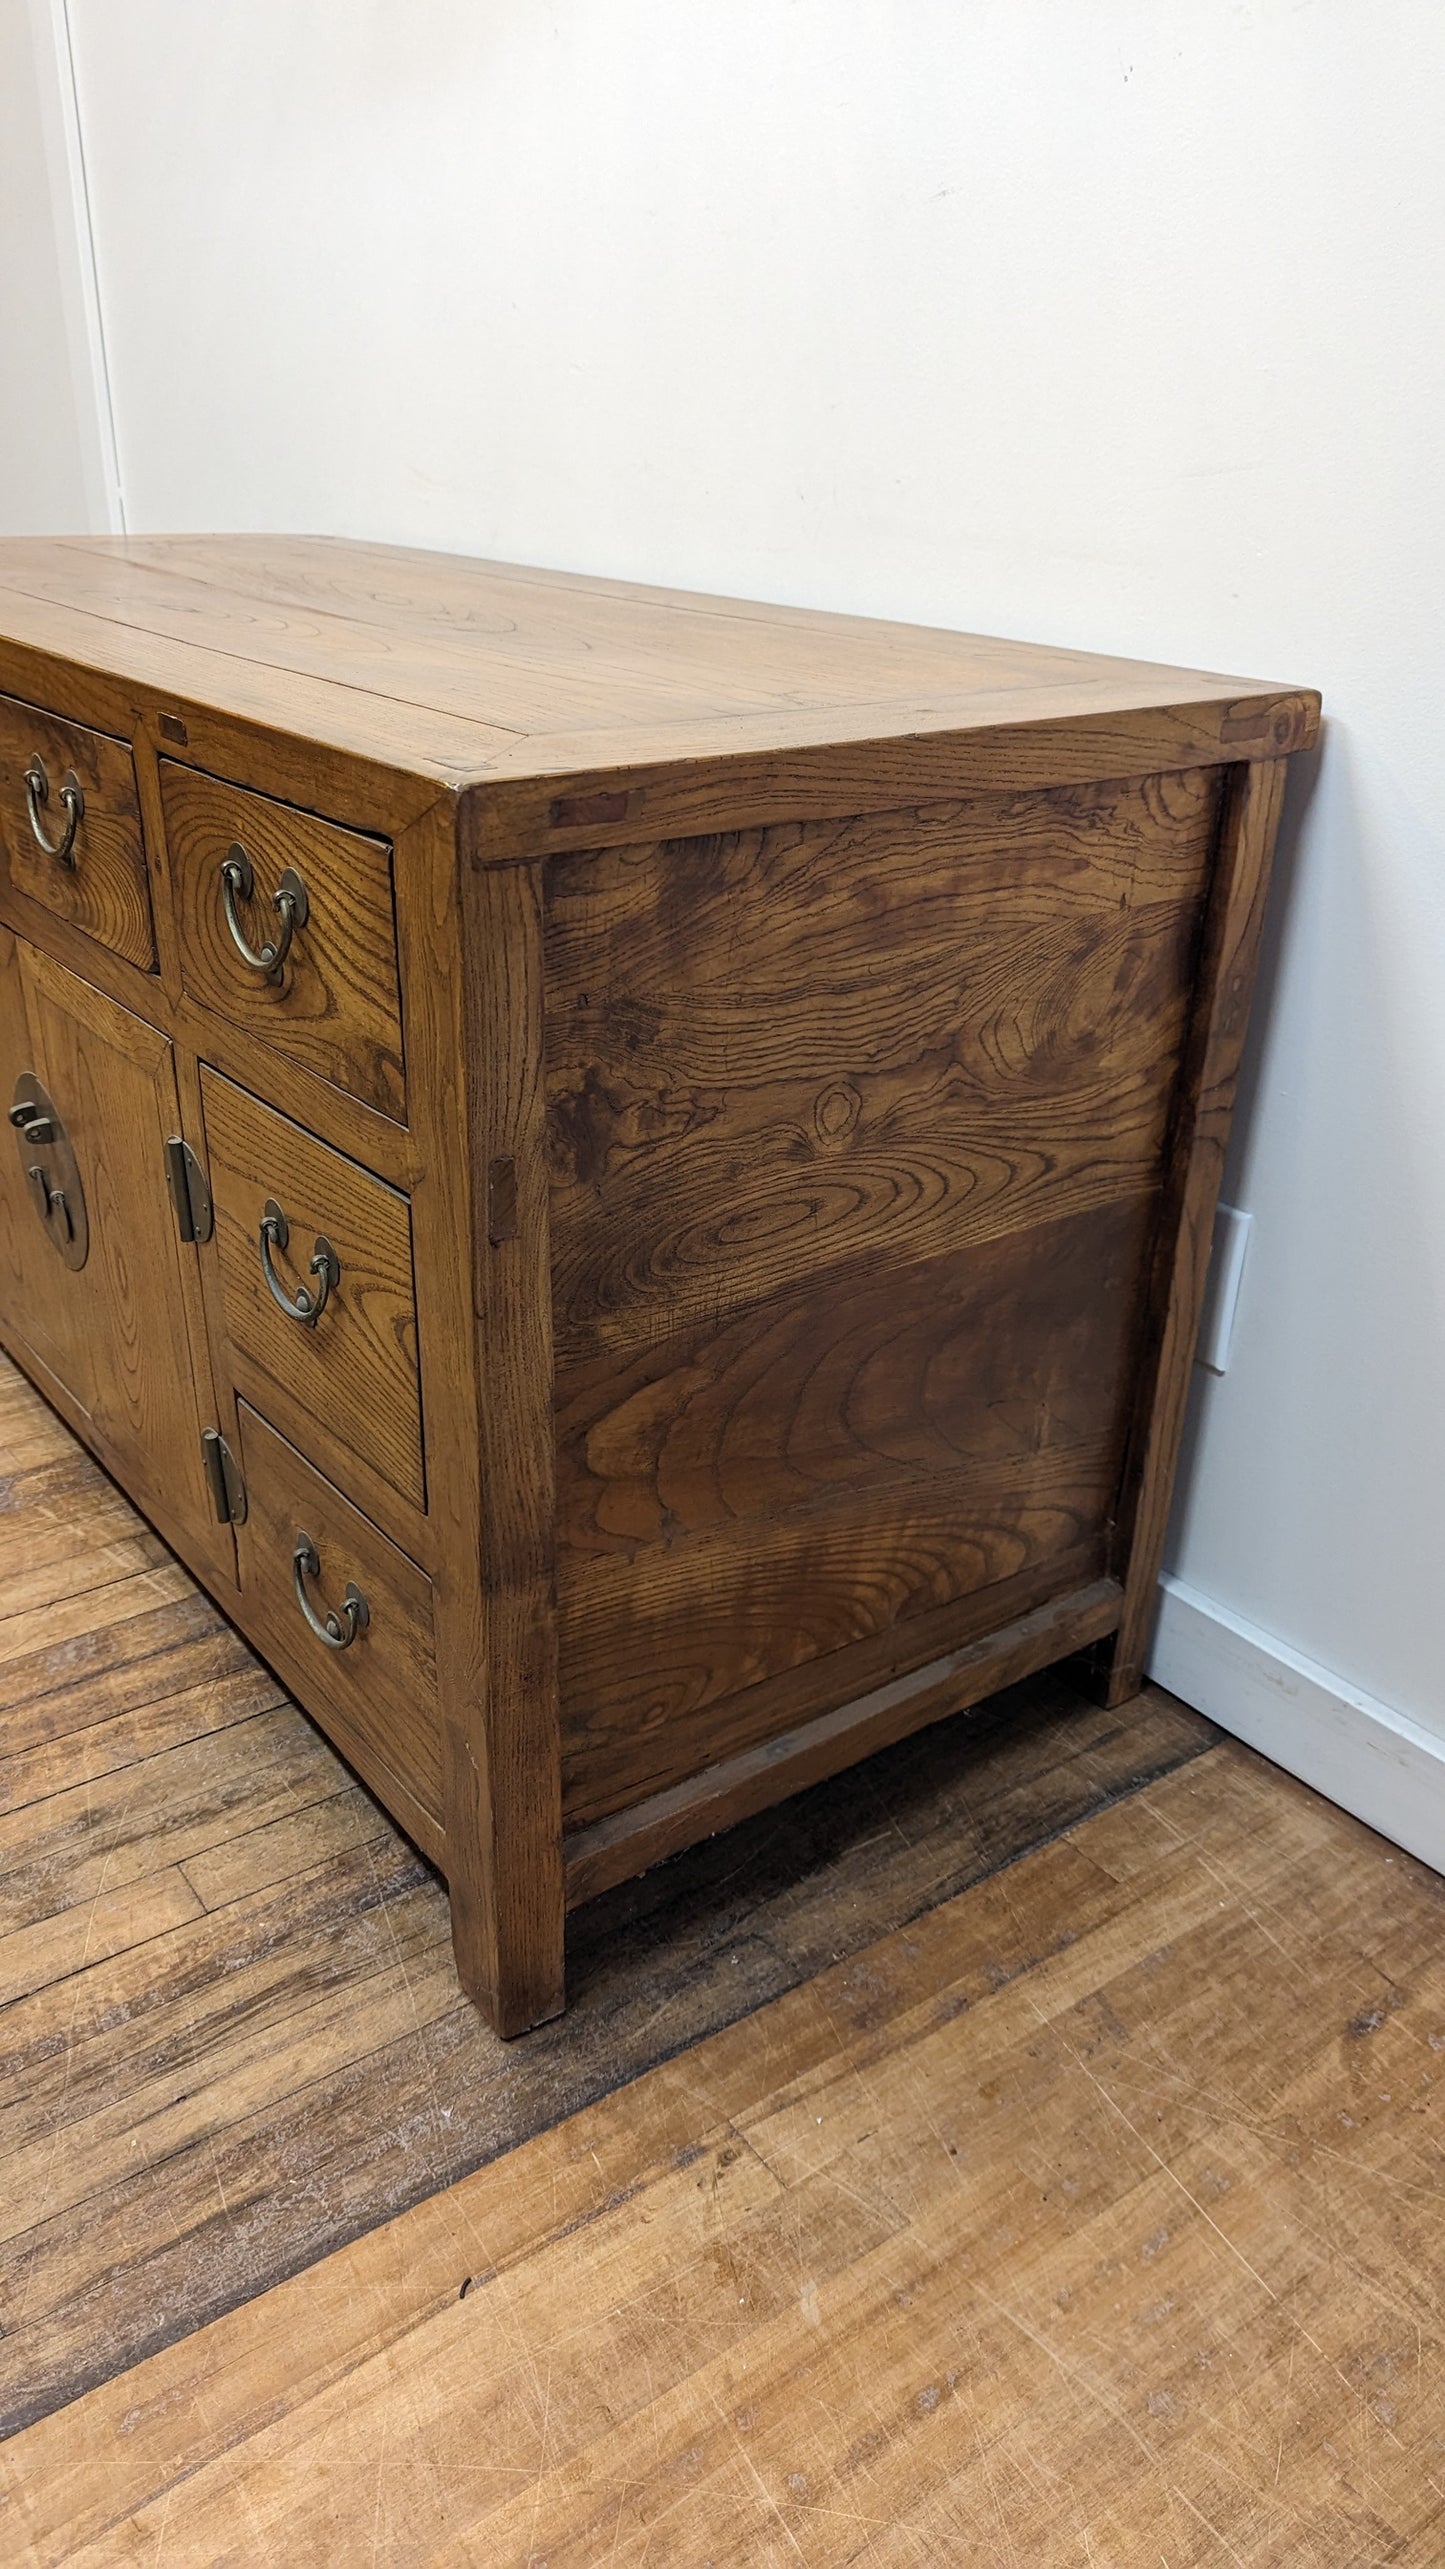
pixel 231 2035
pixel 1095 2217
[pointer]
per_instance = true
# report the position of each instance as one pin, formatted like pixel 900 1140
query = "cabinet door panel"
pixel 40 1302
pixel 133 1335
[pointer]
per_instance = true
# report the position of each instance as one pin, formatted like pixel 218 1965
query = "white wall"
pixel 1120 325
pixel 56 464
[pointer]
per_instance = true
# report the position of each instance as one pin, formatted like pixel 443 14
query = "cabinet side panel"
pixel 855 1136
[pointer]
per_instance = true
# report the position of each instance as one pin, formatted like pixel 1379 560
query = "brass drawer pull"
pixel 325 1267
pixel 338 1631
pixel 238 883
pixel 37 791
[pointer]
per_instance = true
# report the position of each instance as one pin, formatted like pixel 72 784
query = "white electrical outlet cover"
pixel 1221 1292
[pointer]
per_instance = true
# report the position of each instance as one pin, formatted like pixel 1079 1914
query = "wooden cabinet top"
pixel 490 675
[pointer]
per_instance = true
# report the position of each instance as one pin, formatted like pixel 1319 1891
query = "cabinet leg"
pixel 1112 1671
pixel 504 1831
pixel 510 1967
pixel 1249 818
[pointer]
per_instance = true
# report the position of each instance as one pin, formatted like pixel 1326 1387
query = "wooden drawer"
pixel 334 1004
pixel 376 1694
pixel 99 885
pixel 347 1382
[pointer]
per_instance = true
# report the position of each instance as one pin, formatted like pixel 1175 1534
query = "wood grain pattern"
pixel 425 614
pixel 376 1699
pixel 774 1053
pixel 856 1142
pixel 54 1322
pixel 504 1790
pixel 102 891
pixel 93 666
pixel 982 1357
pixel 681 1737
pixel 305 633
pixel 349 1386
pixel 336 1009
pixel 449 989
pixel 234 2035
pixel 665 1666
pixel 1091 2217
pixel 513 645
pixel 681 779
pixel 133 1331
pixel 733 1787
pixel 345 1121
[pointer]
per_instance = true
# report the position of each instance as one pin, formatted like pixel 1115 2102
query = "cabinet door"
pixel 123 1332
pixel 40 1302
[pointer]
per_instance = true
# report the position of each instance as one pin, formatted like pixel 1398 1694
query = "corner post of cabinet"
pixel 497 1642
pixel 1252 795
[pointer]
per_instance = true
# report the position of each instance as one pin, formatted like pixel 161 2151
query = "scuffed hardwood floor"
pixel 231 2032
pixel 1095 2217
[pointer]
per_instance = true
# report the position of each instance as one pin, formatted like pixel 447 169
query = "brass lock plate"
pixel 51 1176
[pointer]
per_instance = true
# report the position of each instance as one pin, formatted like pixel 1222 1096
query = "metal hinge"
pixel 223 1474
pixel 189 1192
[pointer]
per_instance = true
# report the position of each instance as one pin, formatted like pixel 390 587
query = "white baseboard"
pixel 1357 1751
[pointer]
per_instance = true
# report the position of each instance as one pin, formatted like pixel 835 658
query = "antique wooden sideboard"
pixel 626 1177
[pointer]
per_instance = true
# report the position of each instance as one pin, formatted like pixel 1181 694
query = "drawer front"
pixel 90 869
pixel 332 1002
pixel 368 1674
pixel 345 1381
